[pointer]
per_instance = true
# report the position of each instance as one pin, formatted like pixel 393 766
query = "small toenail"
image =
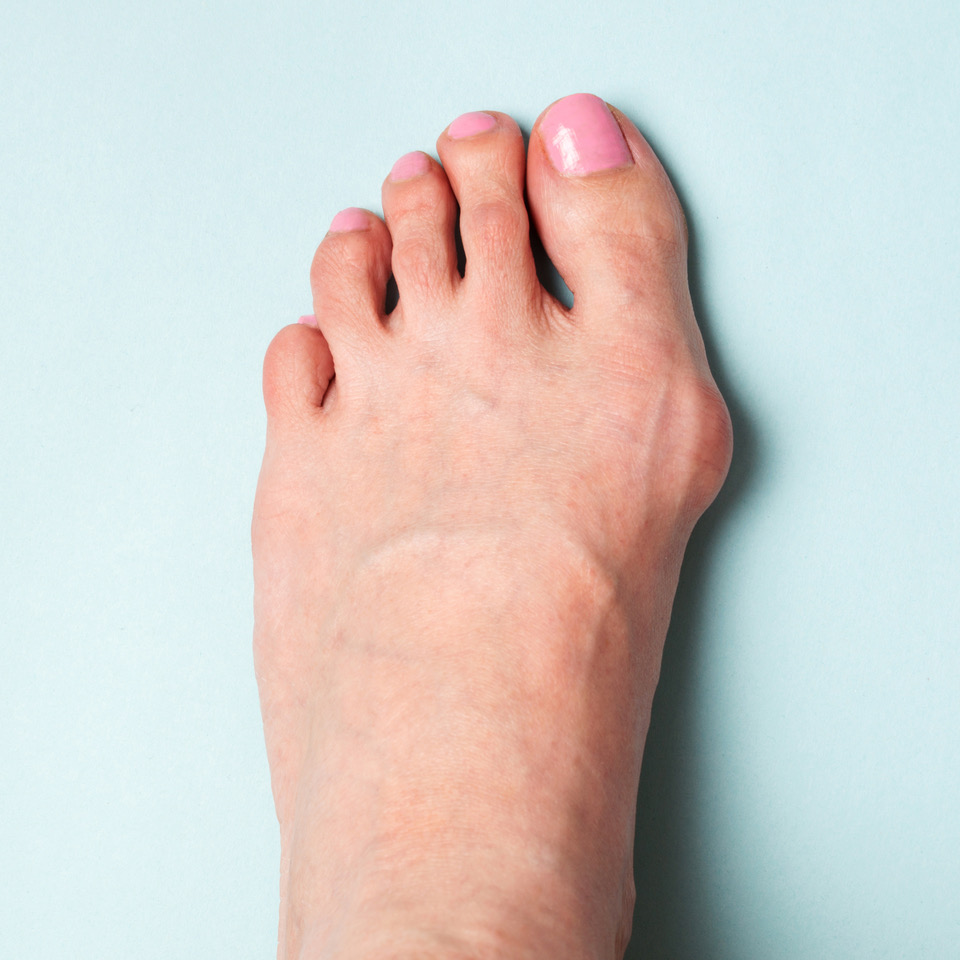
pixel 471 124
pixel 353 218
pixel 410 165
pixel 309 319
pixel 582 136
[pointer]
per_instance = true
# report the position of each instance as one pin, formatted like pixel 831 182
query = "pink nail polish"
pixel 353 218
pixel 309 319
pixel 471 124
pixel 582 136
pixel 410 165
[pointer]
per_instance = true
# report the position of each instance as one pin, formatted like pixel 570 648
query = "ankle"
pixel 524 918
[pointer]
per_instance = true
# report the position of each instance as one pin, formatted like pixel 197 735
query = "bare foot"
pixel 466 546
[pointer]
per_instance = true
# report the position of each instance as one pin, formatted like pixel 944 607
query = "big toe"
pixel 606 212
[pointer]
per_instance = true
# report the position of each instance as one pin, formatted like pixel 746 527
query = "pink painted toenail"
pixel 582 136
pixel 410 165
pixel 353 218
pixel 309 319
pixel 470 124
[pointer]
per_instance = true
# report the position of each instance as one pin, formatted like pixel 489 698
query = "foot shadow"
pixel 677 915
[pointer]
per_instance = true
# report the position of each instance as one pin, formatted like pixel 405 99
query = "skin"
pixel 466 548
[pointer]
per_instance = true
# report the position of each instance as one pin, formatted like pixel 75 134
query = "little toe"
pixel 607 214
pixel 297 371
pixel 421 214
pixel 483 156
pixel 349 280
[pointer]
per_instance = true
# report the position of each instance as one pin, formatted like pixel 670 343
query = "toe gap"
pixel 393 295
pixel 547 273
pixel 458 243
pixel 329 392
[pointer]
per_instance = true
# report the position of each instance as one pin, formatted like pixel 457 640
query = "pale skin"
pixel 466 548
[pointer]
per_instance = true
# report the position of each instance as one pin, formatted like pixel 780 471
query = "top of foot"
pixel 485 450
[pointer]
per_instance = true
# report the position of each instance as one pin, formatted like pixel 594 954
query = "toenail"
pixel 309 319
pixel 471 124
pixel 582 136
pixel 410 165
pixel 353 218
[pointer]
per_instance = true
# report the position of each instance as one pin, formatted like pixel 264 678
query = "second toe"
pixel 485 161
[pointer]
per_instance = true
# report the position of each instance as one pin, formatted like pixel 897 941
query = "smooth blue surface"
pixel 165 174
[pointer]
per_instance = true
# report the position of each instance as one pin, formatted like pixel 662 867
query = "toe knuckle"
pixel 657 245
pixel 494 224
pixel 663 219
pixel 415 261
pixel 346 255
pixel 421 200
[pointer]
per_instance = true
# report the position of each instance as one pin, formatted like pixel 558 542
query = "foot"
pixel 467 535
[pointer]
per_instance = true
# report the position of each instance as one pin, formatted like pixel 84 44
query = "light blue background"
pixel 165 174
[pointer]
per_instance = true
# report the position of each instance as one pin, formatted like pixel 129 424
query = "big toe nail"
pixel 581 136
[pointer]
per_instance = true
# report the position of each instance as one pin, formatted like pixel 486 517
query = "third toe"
pixel 421 212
